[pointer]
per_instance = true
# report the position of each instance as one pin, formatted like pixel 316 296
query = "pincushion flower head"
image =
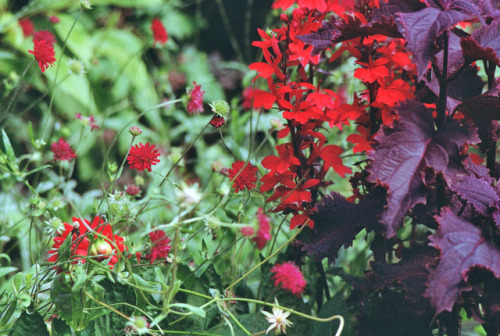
pixel 142 157
pixel 278 320
pixel 243 174
pixel 160 247
pixel 44 54
pixel 99 242
pixel 159 32
pixel 44 35
pixel 27 26
pixel 195 100
pixel 62 151
pixel 289 277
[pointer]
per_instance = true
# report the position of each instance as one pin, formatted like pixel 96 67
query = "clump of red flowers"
pixel 289 277
pixel 159 32
pixel 44 53
pixel 44 35
pixel 160 247
pixel 27 26
pixel 244 175
pixel 83 243
pixel 142 157
pixel 62 151
pixel 195 102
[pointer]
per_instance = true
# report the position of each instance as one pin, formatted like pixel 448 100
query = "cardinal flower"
pixel 62 151
pixel 289 277
pixel 243 174
pixel 159 32
pixel 142 157
pixel 44 53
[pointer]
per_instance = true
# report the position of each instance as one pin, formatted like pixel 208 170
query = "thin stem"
pixel 6 112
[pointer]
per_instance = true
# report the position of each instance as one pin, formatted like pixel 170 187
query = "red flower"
pixel 143 157
pixel 44 35
pixel 44 53
pixel 195 103
pixel 62 151
pixel 133 190
pixel 372 70
pixel 159 246
pixel 80 241
pixel 289 276
pixel 282 163
pixel 263 233
pixel 159 32
pixel 27 26
pixel 54 19
pixel 217 121
pixel 243 175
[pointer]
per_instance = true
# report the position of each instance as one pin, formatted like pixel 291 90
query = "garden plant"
pixel 211 167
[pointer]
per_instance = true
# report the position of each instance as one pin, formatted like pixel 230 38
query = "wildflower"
pixel 135 131
pixel 137 325
pixel 86 5
pixel 80 241
pixel 159 32
pixel 54 19
pixel 244 175
pixel 87 121
pixel 160 247
pixel 44 35
pixel 62 151
pixel 143 157
pixel 278 320
pixel 195 102
pixel 220 107
pixel 217 121
pixel 76 67
pixel 54 226
pixel 27 27
pixel 263 233
pixel 289 276
pixel 132 190
pixel 188 195
pixel 44 54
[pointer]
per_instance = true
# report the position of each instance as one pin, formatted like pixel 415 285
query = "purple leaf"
pixel 422 28
pixel 477 192
pixel 337 222
pixel 320 40
pixel 344 31
pixel 483 44
pixel 402 154
pixel 462 247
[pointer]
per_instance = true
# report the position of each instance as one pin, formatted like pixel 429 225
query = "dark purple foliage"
pixel 483 44
pixel 477 192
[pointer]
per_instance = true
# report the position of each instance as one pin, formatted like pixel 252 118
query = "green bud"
pixel 220 107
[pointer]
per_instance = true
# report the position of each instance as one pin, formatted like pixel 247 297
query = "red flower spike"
pixel 289 277
pixel 331 155
pixel 372 71
pixel 160 247
pixel 142 157
pixel 159 32
pixel 62 151
pixel 195 102
pixel 282 163
pixel 243 174
pixel 44 54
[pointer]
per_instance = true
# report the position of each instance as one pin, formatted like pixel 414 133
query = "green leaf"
pixel 60 328
pixel 30 324
pixel 334 306
pixel 200 312
pixel 6 270
pixel 8 313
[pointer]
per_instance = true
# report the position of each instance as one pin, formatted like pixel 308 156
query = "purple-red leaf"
pixel 477 192
pixel 462 247
pixel 483 44
pixel 337 222
pixel 344 31
pixel 402 153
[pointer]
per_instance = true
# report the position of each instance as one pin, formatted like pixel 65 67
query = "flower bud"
pixel 220 107
pixel 135 131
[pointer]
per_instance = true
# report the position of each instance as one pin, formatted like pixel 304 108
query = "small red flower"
pixel 195 103
pixel 133 190
pixel 54 19
pixel 44 35
pixel 44 53
pixel 62 151
pixel 289 276
pixel 263 233
pixel 159 32
pixel 27 26
pixel 217 121
pixel 160 247
pixel 244 175
pixel 143 157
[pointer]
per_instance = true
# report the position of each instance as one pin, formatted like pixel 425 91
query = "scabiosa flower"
pixel 27 26
pixel 142 157
pixel 278 320
pixel 135 131
pixel 244 175
pixel 132 190
pixel 289 276
pixel 195 102
pixel 44 35
pixel 54 19
pixel 160 247
pixel 263 233
pixel 44 54
pixel 62 151
pixel 76 67
pixel 217 121
pixel 159 32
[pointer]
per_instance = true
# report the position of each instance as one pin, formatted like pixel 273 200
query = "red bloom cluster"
pixel 62 151
pixel 142 157
pixel 44 35
pixel 217 121
pixel 195 102
pixel 84 244
pixel 289 277
pixel 44 53
pixel 159 32
pixel 27 26
pixel 160 247
pixel 243 174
